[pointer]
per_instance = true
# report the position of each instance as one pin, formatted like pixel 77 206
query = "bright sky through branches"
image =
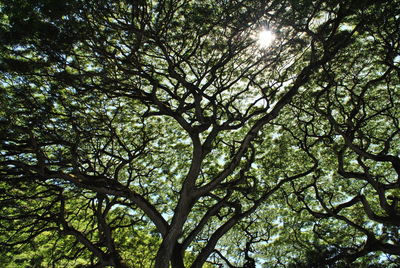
pixel 265 38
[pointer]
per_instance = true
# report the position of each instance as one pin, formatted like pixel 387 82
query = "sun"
pixel 265 38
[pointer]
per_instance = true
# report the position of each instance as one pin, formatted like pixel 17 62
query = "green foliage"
pixel 160 133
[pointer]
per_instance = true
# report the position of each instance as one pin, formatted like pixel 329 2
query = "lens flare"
pixel 265 38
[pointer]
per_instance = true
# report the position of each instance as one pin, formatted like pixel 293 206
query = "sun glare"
pixel 265 38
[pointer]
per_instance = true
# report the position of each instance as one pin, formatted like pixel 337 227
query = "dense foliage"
pixel 155 133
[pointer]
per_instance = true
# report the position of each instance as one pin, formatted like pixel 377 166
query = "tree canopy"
pixel 161 133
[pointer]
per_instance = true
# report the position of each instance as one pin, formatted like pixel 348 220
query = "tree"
pixel 157 133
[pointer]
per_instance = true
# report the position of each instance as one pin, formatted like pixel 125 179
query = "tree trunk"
pixel 177 257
